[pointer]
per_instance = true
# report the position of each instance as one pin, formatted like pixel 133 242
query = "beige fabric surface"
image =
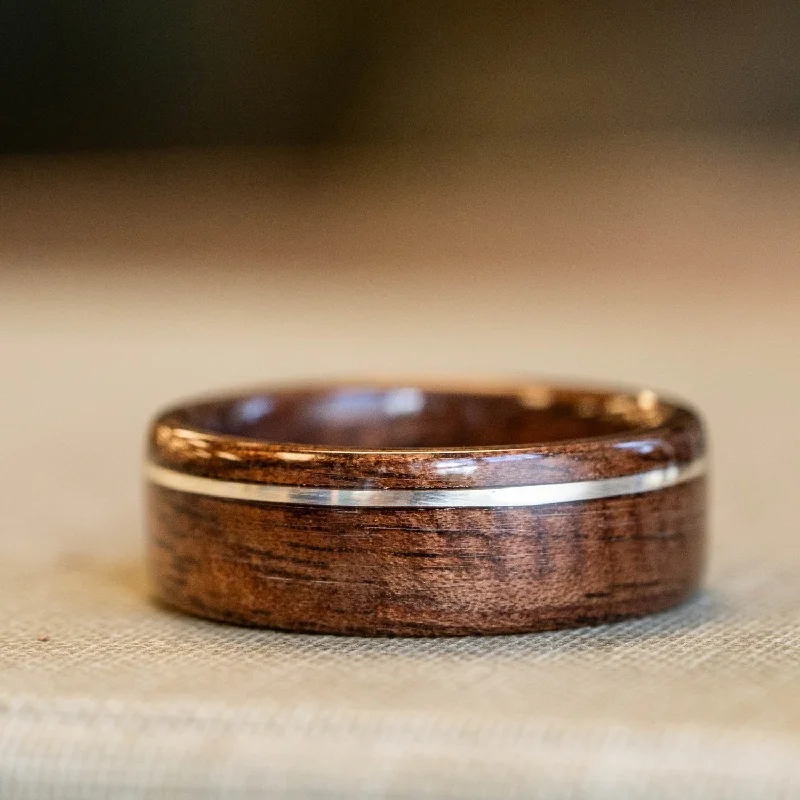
pixel 128 282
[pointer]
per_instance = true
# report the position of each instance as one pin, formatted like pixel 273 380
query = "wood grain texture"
pixel 429 571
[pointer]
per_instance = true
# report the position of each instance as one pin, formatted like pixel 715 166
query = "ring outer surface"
pixel 426 570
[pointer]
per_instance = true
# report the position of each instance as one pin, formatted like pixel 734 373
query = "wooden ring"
pixel 406 509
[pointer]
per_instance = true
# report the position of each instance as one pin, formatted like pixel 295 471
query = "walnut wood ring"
pixel 405 509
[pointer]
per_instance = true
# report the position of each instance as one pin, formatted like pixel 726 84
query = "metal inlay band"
pixel 532 495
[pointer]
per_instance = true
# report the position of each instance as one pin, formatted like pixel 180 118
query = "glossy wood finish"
pixel 426 571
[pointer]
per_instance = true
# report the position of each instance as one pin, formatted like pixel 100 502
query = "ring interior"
pixel 403 417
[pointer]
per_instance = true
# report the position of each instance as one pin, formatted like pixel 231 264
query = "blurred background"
pixel 176 72
pixel 195 195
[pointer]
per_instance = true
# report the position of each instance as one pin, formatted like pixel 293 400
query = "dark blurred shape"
pixel 106 73
pixel 109 73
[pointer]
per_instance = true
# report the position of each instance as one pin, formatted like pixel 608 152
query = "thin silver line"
pixel 534 495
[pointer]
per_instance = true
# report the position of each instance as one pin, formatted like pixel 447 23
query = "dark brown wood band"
pixel 406 509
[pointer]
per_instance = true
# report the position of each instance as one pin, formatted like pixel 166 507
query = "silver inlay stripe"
pixel 535 495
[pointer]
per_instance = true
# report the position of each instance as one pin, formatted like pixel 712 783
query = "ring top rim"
pixel 657 431
pixel 644 411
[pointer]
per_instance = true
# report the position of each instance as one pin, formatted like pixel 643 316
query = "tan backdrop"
pixel 129 281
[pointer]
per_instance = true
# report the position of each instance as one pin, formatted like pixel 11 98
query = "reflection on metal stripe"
pixel 535 495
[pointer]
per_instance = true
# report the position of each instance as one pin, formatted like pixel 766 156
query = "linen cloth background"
pixel 128 282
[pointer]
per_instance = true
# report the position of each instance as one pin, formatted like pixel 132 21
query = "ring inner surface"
pixel 408 417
